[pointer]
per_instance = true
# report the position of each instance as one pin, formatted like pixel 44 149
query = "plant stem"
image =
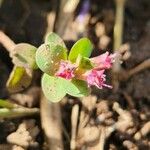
pixel 144 65
pixel 17 112
pixel 51 123
pixel 7 43
pixel 6 104
pixel 118 34
pixel 11 110
pixel 119 21
pixel 74 123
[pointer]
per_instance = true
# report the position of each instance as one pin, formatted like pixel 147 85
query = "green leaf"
pixel 53 39
pixel 19 79
pixel 48 58
pixel 53 88
pixel 24 56
pixel 83 47
pixel 78 88
pixel 84 63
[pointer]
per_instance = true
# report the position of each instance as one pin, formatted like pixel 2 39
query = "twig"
pixel 129 100
pixel 17 112
pixel 50 21
pixel 102 138
pixel 118 34
pixel 51 123
pixel 144 65
pixel 74 121
pixel 7 104
pixel 7 42
pixel 119 21
pixel 67 8
pixel 89 103
pixel 126 74
pixel 130 145
pixel 143 131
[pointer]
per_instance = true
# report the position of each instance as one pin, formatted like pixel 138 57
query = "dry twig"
pixel 144 65
pixel 7 42
pixel 51 123
pixel 88 104
pixel 118 34
pixel 17 112
pixel 126 74
pixel 67 8
pixel 130 145
pixel 74 121
pixel 143 131
pixel 129 100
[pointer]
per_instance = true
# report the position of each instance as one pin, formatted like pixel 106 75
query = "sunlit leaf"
pixel 84 63
pixel 82 47
pixel 24 56
pixel 48 59
pixel 78 88
pixel 19 79
pixel 53 88
pixel 53 39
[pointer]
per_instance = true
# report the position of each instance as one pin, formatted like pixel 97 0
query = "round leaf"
pixel 48 58
pixel 78 88
pixel 53 88
pixel 53 39
pixel 83 47
pixel 24 56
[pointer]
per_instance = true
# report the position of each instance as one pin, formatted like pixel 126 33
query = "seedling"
pixel 64 72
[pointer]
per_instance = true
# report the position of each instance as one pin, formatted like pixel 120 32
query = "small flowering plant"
pixel 70 73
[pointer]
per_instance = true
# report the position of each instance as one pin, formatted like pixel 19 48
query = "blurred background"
pixel 112 25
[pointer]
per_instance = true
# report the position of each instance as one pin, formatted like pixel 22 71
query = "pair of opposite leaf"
pixel 47 57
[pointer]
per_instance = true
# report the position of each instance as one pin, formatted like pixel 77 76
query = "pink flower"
pixel 66 70
pixel 103 61
pixel 96 78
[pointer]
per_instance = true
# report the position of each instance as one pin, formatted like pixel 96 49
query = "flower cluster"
pixel 94 76
pixel 66 70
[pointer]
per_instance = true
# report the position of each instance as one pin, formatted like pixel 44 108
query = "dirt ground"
pixel 107 119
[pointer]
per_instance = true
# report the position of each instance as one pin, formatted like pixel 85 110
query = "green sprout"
pixel 63 72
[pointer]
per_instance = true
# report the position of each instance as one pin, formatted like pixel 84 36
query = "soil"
pixel 25 21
